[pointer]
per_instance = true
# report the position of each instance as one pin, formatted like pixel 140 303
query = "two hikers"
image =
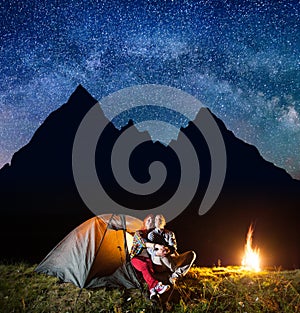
pixel 155 250
pixel 141 260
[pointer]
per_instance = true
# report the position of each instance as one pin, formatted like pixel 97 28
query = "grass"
pixel 219 289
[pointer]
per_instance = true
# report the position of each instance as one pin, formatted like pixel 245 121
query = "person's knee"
pixel 191 256
pixel 194 255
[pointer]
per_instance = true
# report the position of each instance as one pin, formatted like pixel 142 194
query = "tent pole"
pixel 97 251
pixel 123 219
pixel 127 257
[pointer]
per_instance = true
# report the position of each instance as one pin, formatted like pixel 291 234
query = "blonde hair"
pixel 162 218
pixel 146 218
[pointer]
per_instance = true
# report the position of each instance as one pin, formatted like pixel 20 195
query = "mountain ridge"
pixel 88 98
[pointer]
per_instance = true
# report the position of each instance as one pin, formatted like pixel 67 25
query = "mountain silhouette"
pixel 40 203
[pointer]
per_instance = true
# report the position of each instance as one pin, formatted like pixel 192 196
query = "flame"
pixel 251 259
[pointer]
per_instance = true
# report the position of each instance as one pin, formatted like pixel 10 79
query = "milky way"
pixel 239 58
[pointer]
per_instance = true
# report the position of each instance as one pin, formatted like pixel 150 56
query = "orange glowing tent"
pixel 95 254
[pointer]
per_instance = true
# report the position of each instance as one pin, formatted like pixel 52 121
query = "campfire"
pixel 251 259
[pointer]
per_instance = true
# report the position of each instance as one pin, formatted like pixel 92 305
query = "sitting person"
pixel 164 255
pixel 141 260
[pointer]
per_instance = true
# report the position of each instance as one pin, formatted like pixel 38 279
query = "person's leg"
pixel 168 262
pixel 144 265
pixel 183 263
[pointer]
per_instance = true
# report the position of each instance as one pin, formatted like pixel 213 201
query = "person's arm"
pixel 139 239
pixel 155 249
pixel 161 250
pixel 158 249
pixel 171 240
pixel 150 245
pixel 139 243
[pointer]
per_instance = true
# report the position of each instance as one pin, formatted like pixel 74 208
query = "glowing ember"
pixel 251 260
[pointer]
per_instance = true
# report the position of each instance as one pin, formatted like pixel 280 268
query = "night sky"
pixel 239 58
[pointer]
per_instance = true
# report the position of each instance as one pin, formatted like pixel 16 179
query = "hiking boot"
pixel 158 289
pixel 152 293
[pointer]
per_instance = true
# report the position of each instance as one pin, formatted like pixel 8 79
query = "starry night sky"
pixel 239 58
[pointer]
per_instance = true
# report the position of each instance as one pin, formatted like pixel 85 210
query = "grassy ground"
pixel 223 290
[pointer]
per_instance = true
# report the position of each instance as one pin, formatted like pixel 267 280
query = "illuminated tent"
pixel 95 254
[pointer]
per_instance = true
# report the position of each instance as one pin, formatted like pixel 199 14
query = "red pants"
pixel 144 265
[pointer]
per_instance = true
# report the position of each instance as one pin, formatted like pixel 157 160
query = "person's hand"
pixel 162 250
pixel 157 246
